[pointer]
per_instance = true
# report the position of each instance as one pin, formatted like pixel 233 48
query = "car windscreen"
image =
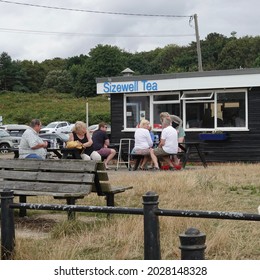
pixel 3 133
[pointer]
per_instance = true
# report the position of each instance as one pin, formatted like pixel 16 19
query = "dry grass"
pixel 225 187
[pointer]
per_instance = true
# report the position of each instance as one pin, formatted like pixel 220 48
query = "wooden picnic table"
pixel 56 151
pixel 186 149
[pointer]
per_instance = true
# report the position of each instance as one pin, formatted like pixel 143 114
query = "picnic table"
pixel 56 151
pixel 187 148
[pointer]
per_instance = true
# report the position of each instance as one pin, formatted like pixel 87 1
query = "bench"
pixel 138 159
pixel 69 180
pixel 61 179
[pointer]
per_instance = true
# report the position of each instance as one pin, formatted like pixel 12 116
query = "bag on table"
pixel 74 144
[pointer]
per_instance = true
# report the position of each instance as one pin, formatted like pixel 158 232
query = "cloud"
pixel 213 16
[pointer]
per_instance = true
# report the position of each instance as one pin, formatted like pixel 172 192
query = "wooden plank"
pixel 46 176
pixel 101 166
pixel 69 165
pixel 16 164
pixel 102 176
pixel 38 187
pixel 54 165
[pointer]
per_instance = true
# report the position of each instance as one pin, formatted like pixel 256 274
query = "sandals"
pixel 143 168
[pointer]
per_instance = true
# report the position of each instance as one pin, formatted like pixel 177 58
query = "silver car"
pixel 7 141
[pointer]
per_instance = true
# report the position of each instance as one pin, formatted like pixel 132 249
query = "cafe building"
pixel 219 109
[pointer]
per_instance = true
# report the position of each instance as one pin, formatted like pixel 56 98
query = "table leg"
pixel 186 156
pixel 201 155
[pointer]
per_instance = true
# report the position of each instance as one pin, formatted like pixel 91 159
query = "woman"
pixel 81 134
pixel 143 142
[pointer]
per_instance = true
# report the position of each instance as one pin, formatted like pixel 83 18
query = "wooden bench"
pixel 62 179
pixel 138 159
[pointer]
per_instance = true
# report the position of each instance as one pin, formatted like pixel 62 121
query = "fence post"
pixel 151 227
pixel 7 226
pixel 192 245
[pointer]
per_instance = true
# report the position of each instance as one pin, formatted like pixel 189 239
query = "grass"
pixel 222 187
pixel 17 107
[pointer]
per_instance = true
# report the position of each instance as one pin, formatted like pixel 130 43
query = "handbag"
pixel 74 144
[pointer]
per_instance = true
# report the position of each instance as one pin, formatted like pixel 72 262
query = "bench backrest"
pixel 34 177
pixel 102 184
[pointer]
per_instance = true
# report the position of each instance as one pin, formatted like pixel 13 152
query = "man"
pixel 101 142
pixel 31 145
pixel 168 144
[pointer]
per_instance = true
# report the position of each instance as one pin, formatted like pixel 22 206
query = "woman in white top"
pixel 143 142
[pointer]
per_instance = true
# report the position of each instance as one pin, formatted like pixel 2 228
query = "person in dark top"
pixel 81 134
pixel 101 142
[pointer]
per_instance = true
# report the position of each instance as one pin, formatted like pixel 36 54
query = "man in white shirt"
pixel 31 145
pixel 168 143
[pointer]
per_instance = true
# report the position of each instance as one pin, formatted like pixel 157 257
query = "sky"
pixel 67 28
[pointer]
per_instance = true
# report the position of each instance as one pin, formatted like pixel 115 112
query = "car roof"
pixel 14 127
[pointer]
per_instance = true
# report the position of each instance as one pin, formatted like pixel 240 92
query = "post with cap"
pixel 151 227
pixel 192 244
pixel 7 225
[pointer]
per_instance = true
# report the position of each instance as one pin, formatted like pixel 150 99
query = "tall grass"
pixel 223 187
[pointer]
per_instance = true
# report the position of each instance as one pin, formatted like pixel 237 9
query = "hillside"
pixel 20 108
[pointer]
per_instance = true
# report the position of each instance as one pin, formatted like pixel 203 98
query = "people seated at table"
pixel 168 144
pixel 143 142
pixel 101 144
pixel 31 145
pixel 81 134
pixel 177 124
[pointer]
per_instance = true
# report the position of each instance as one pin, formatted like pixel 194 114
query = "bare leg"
pixel 154 159
pixel 144 161
pixel 107 160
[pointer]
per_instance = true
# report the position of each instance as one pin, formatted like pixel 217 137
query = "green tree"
pixel 7 72
pixel 59 80
pixel 237 53
pixel 103 61
pixel 34 75
pixel 211 48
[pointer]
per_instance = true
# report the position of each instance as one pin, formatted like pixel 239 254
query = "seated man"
pixel 31 145
pixel 168 143
pixel 101 142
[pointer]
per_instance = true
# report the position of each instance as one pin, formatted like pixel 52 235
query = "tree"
pixel 34 75
pixel 212 48
pixel 7 72
pixel 59 80
pixel 103 61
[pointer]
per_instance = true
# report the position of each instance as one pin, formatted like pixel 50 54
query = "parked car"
pixel 94 127
pixel 60 138
pixel 15 129
pixel 7 141
pixel 57 127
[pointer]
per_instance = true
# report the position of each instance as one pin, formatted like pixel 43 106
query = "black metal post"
pixel 192 245
pixel 7 226
pixel 71 201
pixel 152 249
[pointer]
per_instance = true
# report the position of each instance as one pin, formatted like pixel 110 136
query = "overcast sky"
pixel 38 33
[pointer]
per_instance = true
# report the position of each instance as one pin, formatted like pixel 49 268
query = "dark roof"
pixel 232 72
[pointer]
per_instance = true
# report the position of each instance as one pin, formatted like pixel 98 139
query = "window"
pixel 223 110
pixel 149 106
pixel 137 108
pixel 165 102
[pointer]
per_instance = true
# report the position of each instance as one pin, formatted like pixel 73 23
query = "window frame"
pixel 151 104
pixel 215 101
